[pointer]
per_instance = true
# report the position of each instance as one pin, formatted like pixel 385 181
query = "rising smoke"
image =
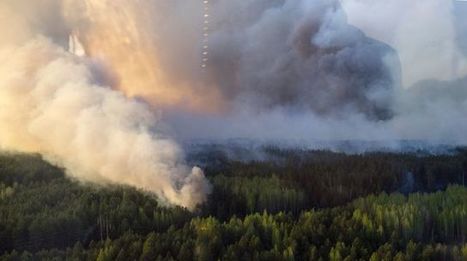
pixel 277 69
pixel 300 55
pixel 57 104
pixel 298 70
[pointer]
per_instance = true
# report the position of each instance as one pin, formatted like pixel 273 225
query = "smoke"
pixel 430 38
pixel 434 110
pixel 57 104
pixel 428 35
pixel 459 9
pixel 110 103
pixel 297 70
pixel 313 59
pixel 150 46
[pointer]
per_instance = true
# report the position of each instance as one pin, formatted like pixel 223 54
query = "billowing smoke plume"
pixel 276 69
pixel 55 103
pixel 298 70
pixel 295 54
pixel 300 55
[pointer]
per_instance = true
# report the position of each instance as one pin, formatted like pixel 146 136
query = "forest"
pixel 283 205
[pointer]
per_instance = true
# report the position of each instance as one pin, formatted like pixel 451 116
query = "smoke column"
pixel 106 87
pixel 308 70
pixel 58 104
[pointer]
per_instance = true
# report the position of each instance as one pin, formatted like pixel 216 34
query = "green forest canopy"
pixel 333 206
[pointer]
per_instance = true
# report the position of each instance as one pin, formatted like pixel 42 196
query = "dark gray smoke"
pixel 277 69
pixel 301 55
pixel 297 70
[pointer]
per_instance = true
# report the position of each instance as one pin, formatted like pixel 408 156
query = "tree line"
pixel 290 205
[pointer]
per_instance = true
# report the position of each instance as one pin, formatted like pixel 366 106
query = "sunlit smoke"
pixel 130 38
pixel 56 103
pixel 89 84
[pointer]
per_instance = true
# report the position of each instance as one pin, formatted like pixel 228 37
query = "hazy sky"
pixel 429 36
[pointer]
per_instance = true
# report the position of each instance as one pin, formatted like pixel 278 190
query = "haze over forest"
pixel 227 126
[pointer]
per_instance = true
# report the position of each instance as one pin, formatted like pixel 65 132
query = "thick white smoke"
pixel 277 69
pixel 56 104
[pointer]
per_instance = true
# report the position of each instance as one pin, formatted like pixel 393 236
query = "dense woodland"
pixel 284 205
